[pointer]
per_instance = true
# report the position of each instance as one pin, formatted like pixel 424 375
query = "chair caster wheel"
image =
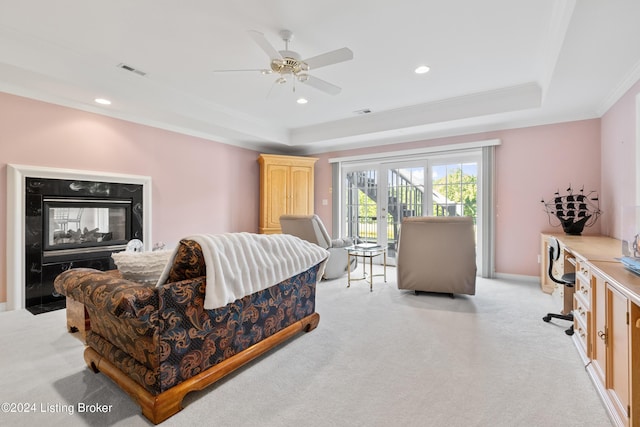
pixel 547 318
pixel 569 332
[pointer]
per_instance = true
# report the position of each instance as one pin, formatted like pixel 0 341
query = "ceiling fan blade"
pixel 333 57
pixel 320 84
pixel 259 38
pixel 276 90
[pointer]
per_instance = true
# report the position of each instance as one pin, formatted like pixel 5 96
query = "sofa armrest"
pixel 342 242
pixel 107 291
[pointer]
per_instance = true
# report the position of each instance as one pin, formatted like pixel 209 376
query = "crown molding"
pixel 620 90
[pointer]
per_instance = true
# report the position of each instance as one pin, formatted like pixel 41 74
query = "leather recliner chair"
pixel 437 254
pixel 311 229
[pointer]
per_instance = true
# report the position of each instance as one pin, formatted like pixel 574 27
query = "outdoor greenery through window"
pixel 455 190
pixel 375 208
pixel 378 191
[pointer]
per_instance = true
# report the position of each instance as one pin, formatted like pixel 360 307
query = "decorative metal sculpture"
pixel 573 211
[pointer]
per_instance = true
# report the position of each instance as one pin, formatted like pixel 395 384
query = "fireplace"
pixel 76 224
pixel 73 223
pixel 19 202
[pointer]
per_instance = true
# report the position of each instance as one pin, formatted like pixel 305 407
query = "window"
pixel 377 193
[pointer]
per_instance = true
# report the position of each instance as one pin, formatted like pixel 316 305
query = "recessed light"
pixel 302 101
pixel 422 69
pixel 102 101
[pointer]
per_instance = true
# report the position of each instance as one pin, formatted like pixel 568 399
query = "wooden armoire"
pixel 286 188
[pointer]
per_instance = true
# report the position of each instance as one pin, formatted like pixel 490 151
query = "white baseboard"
pixel 518 277
pixel 3 306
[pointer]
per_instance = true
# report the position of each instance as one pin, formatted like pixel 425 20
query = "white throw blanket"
pixel 239 264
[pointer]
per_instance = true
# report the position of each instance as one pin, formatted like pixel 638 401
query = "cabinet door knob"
pixel 602 335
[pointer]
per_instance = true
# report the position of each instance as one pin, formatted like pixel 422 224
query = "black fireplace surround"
pixel 71 223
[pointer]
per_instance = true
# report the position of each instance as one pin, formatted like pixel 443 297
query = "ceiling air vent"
pixel 132 69
pixel 363 111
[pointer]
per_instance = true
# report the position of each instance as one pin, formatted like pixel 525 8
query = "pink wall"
pixel 203 186
pixel 199 186
pixel 618 141
pixel 531 164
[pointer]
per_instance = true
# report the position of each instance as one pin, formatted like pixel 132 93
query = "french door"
pixel 377 197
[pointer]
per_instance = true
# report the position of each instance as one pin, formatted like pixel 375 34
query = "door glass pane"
pixel 362 205
pixel 378 196
pixel 455 189
pixel 405 188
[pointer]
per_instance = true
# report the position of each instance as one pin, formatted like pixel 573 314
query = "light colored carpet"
pixel 380 358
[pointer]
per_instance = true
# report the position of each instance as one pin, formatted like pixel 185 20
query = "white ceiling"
pixel 494 64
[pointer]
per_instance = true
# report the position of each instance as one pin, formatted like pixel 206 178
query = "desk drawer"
pixel 580 309
pixel 583 282
pixel 581 320
pixel 584 291
pixel 582 267
pixel 582 270
pixel 580 331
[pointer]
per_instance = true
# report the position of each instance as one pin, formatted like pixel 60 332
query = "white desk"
pixel 606 312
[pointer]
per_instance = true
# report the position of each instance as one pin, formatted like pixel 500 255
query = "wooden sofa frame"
pixel 115 301
pixel 162 406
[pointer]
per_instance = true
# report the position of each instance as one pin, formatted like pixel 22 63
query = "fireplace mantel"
pixel 16 177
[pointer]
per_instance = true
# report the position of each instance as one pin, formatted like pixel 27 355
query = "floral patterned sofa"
pixel 158 342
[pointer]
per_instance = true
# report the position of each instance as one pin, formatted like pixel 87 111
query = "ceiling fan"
pixel 289 65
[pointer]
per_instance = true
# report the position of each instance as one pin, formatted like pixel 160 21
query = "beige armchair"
pixel 437 254
pixel 311 229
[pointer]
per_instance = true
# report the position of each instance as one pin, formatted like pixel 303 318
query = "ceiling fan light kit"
pixel 287 62
pixel 288 65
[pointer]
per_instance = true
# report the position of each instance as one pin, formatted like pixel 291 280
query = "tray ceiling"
pixel 493 64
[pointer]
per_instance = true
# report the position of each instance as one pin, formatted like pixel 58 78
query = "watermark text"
pixel 55 408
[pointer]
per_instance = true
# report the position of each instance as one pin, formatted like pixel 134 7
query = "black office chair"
pixel 568 280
